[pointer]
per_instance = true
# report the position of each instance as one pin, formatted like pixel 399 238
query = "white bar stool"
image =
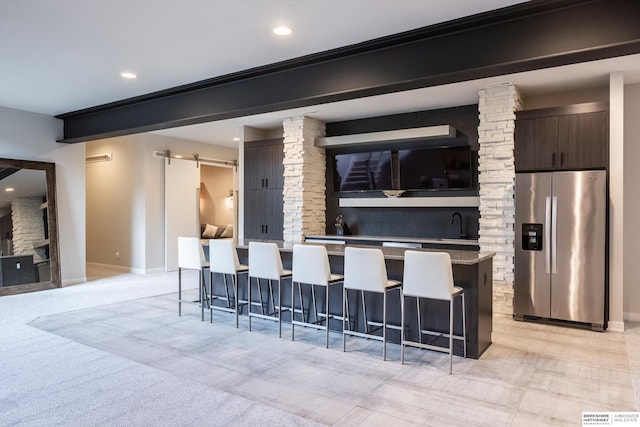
pixel 223 259
pixel 365 271
pixel 429 275
pixel 191 257
pixel 265 263
pixel 311 267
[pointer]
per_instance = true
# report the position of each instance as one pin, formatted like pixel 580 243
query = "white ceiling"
pixel 64 55
pixel 25 183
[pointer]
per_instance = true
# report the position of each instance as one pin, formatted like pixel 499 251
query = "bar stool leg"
pixel 315 305
pixel 401 329
pixel 301 302
pixel 293 311
pixel 179 291
pixel 384 326
pixel 345 313
pixel 464 327
pixel 419 321
pixel 211 297
pixel 450 336
pixel 364 311
pixel 279 309
pixel 234 281
pixel 226 288
pixel 249 302
pixel 326 312
pixel 260 295
pixel 203 291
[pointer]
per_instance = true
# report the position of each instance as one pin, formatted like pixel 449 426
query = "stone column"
pixel 497 107
pixel 28 225
pixel 304 179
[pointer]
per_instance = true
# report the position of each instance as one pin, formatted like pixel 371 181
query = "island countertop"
pixel 367 238
pixel 463 257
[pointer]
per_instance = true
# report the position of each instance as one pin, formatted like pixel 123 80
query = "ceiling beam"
pixel 524 37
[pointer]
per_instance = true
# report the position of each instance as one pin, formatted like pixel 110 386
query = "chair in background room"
pixel 365 271
pixel 311 267
pixel 191 257
pixel 429 275
pixel 265 263
pixel 223 259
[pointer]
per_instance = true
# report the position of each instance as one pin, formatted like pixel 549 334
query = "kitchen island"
pixel 472 271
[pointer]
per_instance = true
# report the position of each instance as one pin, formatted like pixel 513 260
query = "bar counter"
pixel 472 270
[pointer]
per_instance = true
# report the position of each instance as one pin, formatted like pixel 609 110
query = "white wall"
pixel 631 201
pixel 125 199
pixel 31 136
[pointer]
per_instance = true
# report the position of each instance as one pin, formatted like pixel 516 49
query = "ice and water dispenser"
pixel 531 237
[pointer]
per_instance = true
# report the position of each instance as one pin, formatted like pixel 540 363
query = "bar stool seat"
pixel 265 263
pixel 223 259
pixel 429 275
pixel 191 257
pixel 365 271
pixel 311 267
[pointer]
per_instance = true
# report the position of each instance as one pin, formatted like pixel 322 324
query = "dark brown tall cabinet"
pixel 263 183
pixel 574 137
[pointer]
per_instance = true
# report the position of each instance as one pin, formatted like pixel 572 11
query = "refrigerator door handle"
pixel 547 235
pixel 554 235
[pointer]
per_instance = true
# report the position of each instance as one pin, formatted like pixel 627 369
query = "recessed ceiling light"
pixel 128 75
pixel 282 31
pixel 8 189
pixel 235 138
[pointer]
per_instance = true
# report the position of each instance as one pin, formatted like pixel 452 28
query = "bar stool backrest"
pixel 428 275
pixel 311 265
pixel 265 261
pixel 364 269
pixel 190 253
pixel 223 256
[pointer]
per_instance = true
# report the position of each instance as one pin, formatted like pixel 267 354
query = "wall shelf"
pixel 411 202
pixel 392 136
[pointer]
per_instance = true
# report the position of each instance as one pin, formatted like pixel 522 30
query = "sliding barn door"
pixel 181 206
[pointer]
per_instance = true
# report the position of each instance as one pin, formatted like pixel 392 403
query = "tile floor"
pixel 531 375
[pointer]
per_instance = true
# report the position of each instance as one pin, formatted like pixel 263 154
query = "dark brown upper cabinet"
pixel 574 137
pixel 264 180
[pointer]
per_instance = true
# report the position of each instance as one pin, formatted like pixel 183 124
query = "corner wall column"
pixel 304 179
pixel 497 107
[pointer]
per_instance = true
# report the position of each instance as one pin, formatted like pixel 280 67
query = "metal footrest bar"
pixel 265 316
pixel 378 324
pixel 446 350
pixel 441 334
pixel 362 335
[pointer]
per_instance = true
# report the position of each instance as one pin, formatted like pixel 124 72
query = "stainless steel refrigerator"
pixel 560 247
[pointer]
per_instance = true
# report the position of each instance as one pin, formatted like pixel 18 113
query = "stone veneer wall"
pixel 304 179
pixel 28 225
pixel 497 107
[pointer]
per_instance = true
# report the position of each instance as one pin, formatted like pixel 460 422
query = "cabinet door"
pixel 258 167
pixel 253 210
pixel 536 144
pixel 276 173
pixel 583 141
pixel 274 218
pixel 263 214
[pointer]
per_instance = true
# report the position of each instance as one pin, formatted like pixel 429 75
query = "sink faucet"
pixel 453 217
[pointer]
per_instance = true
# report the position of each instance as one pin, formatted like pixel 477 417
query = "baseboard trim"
pixel 633 317
pixel 119 268
pixel 615 326
pixel 71 282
